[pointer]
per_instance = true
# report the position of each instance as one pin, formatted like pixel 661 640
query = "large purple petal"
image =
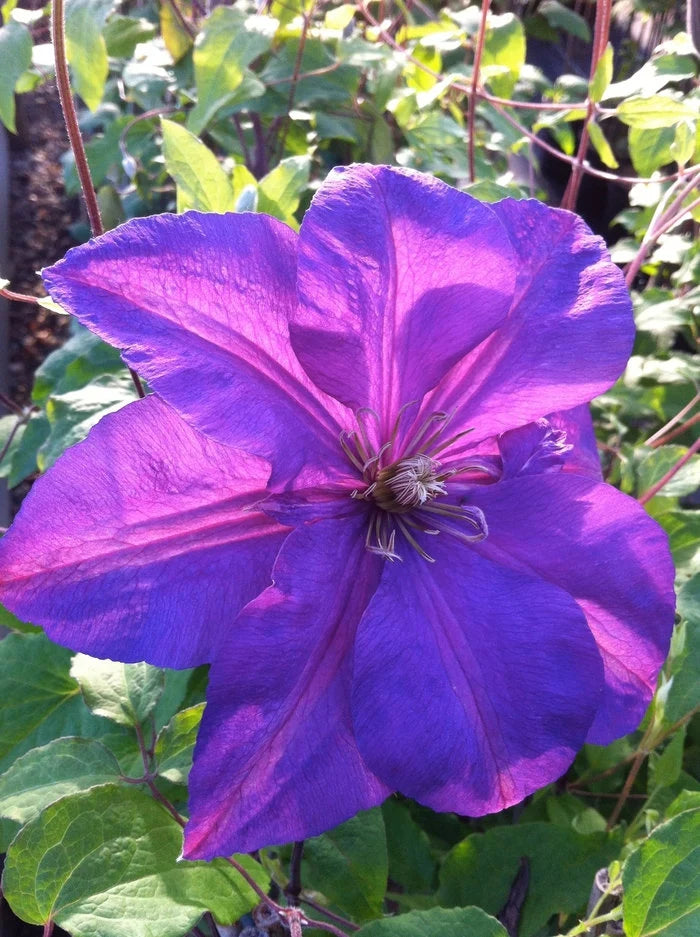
pixel 603 549
pixel 567 337
pixel 200 305
pixel 474 684
pixel 399 276
pixel 141 543
pixel 276 759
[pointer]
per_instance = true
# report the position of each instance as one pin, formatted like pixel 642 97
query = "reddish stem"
pixel 655 489
pixel 473 97
pixel 678 431
pixel 18 297
pixel 70 117
pixel 600 41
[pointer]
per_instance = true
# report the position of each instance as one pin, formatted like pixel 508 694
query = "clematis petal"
pixel 603 549
pixel 275 759
pixel 583 457
pixel 567 337
pixel 399 276
pixel 141 543
pixel 199 304
pixel 473 684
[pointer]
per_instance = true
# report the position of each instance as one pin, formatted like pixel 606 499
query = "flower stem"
pixel 660 435
pixel 18 297
pixel 600 41
pixel 471 114
pixel 58 29
pixel 70 117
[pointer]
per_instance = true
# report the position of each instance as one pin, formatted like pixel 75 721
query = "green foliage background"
pixel 246 108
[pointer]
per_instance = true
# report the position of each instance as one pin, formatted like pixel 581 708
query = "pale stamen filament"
pixel 412 540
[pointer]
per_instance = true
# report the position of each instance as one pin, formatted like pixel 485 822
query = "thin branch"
pixel 70 117
pixel 18 297
pixel 58 27
pixel 655 440
pixel 295 78
pixel 180 17
pixel 499 104
pixel 624 793
pixel 10 405
pixel 471 103
pixel 655 489
pixel 603 11
pixel 678 431
pixel 21 420
pixel 348 925
pixel 293 889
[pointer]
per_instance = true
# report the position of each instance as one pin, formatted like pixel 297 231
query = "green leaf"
pixel 349 865
pixel 39 700
pixel 504 53
pixel 45 774
pixel 175 744
pixel 653 76
pixel 13 623
pixel 125 693
pixel 16 57
pixel 123 33
pixel 560 17
pixel 602 147
pixel 86 48
pixel 11 431
pixel 683 146
pixel 177 40
pixel 660 881
pixel 438 922
pixel 656 111
pixel 411 864
pixel 655 464
pixel 73 414
pixel 683 529
pixel 602 75
pixel 280 191
pixel 684 692
pixel 104 863
pixel 563 863
pixel 201 181
pixel 228 42
pixel 665 767
pixel 650 149
pixel 686 800
pixel 83 357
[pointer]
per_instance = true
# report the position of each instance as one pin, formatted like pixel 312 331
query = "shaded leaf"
pixel 349 864
pixel 175 744
pixel 86 48
pixel 470 922
pixel 563 863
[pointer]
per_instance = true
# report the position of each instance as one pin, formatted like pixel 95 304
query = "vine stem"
pixel 473 97
pixel 306 15
pixel 655 489
pixel 659 436
pixel 614 915
pixel 678 431
pixel 624 793
pixel 500 104
pixel 48 928
pixel 18 297
pixel 70 117
pixel 600 40
pixel 58 29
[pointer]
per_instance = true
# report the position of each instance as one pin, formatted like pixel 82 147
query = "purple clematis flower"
pixel 366 490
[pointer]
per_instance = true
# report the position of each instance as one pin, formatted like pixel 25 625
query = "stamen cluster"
pixel 409 494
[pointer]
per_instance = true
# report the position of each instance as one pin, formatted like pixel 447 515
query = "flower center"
pixel 407 484
pixel 408 495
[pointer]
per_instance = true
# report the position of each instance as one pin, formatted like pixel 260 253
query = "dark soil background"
pixel 39 218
